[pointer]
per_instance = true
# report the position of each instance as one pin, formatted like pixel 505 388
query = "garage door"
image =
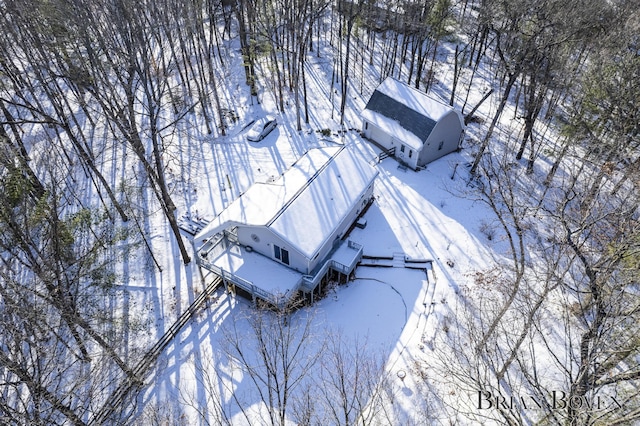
pixel 376 134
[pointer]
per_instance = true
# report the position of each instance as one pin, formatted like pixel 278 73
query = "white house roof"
pixel 306 203
pixel 404 112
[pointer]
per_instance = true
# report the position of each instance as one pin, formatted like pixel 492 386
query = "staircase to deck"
pixel 398 260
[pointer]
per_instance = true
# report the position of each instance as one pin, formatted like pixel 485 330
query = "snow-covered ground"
pixel 398 311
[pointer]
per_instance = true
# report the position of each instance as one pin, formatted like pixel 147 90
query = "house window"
pixel 410 153
pixel 440 146
pixel 281 254
pixel 401 148
pixel 366 125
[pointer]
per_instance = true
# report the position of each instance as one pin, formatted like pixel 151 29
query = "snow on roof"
pixel 306 203
pixel 263 201
pixel 407 113
pixel 393 127
pixel 313 216
pixel 414 99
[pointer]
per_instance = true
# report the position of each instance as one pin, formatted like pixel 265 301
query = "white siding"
pixel 448 132
pixel 266 240
pixel 409 156
pixel 376 134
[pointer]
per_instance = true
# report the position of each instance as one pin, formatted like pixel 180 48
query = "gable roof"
pixel 404 112
pixel 306 203
pixel 409 119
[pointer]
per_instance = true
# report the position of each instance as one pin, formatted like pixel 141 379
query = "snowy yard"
pixel 403 315
pixel 497 285
pixel 395 310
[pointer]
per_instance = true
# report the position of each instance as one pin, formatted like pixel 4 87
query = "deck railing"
pixel 211 246
pixel 240 282
pixel 387 153
pixel 307 283
pixel 310 282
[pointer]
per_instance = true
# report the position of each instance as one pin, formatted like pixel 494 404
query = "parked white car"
pixel 261 128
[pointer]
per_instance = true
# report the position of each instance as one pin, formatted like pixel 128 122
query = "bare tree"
pixel 350 387
pixel 52 267
pixel 124 69
pixel 535 41
pixel 46 96
pixel 276 355
pixel 275 368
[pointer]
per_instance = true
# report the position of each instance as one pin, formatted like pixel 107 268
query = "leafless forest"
pixel 89 91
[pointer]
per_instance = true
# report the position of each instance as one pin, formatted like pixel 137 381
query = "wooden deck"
pixel 261 279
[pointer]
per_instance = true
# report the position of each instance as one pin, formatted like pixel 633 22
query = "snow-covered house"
pixel 417 127
pixel 297 220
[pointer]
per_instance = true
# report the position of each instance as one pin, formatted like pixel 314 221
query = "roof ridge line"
pixel 435 98
pixel 304 187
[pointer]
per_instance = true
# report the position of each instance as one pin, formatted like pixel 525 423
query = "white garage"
pixel 420 128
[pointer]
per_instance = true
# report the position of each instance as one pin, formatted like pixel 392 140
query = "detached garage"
pixel 420 128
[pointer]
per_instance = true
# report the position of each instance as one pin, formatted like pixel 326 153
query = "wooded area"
pixel 91 94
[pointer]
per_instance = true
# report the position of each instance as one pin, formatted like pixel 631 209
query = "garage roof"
pixel 404 112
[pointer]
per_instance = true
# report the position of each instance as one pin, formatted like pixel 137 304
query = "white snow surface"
pixel 413 99
pixel 304 205
pixel 264 200
pixel 254 267
pixel 399 311
pixel 313 216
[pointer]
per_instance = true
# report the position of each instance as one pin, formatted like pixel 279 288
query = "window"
pixel 281 254
pixel 440 146
pixel 401 148
pixel 366 125
pixel 410 153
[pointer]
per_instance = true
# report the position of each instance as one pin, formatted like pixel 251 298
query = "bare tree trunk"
pixel 246 45
pixel 503 102
pixel 345 70
pixel 456 73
